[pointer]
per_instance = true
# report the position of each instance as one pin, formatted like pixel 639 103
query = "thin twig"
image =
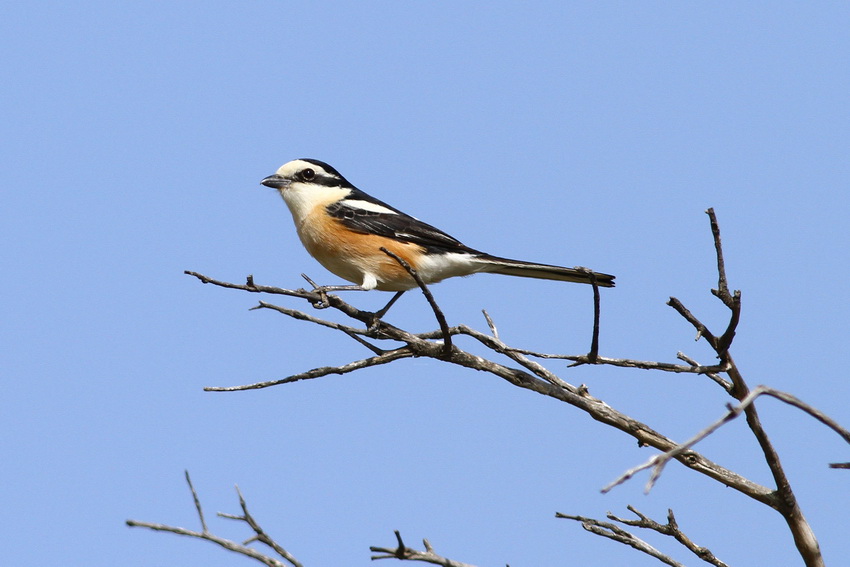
pixel 618 534
pixel 252 287
pixel 658 462
pixel 242 549
pixel 404 553
pixel 671 528
pixel 441 319
pixel 702 330
pixel 785 500
pixel 722 290
pixel 261 535
pixel 537 379
pixel 301 316
pixel 725 384
pixel 384 358
pixel 593 355
pixel 490 324
pixel 197 503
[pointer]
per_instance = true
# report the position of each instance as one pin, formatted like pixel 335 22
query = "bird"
pixel 345 229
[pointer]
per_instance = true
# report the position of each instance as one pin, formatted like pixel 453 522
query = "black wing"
pixel 396 225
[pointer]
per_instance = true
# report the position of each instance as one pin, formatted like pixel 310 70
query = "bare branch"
pixel 384 358
pixel 534 377
pixel 593 355
pixel 618 534
pixel 658 462
pixel 490 323
pixel 537 379
pixel 725 384
pixel 441 319
pixel 404 553
pixel 722 290
pixel 197 502
pixel 261 535
pixel 301 316
pixel 242 548
pixel 251 287
pixel 785 500
pixel 671 528
pixel 702 330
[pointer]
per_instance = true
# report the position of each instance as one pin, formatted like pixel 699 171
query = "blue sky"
pixel 596 134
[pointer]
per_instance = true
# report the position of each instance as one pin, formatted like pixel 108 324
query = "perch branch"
pixel 438 313
pixel 533 377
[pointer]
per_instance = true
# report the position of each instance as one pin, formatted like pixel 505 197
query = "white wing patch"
pixel 367 206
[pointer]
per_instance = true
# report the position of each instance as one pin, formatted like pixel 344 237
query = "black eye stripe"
pixel 324 174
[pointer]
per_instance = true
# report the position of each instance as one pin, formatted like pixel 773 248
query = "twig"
pixel 722 290
pixel 490 323
pixel 383 358
pixel 261 535
pixel 301 316
pixel 441 319
pixel 658 462
pixel 702 330
pixel 334 301
pixel 404 553
pixel 242 549
pixel 671 528
pixel 725 384
pixel 618 534
pixel 252 287
pixel 197 503
pixel 537 379
pixel 593 355
pixel 784 501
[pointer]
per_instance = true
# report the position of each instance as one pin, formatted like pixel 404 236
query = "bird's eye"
pixel 308 174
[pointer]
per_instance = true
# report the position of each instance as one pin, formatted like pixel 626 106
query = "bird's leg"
pixel 377 315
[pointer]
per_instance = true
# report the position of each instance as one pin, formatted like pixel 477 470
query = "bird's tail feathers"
pixel 496 265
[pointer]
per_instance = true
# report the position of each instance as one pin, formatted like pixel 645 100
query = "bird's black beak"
pixel 276 181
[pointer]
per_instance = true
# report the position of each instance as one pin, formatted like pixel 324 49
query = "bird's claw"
pixel 323 302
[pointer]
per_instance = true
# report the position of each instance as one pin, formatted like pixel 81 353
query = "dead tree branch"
pixel 785 502
pixel 671 528
pixel 658 462
pixel 242 548
pixel 533 376
pixel 404 553
pixel 618 534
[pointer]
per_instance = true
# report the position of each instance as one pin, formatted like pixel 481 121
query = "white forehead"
pixel 291 168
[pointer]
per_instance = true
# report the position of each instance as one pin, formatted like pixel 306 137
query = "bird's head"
pixel 304 171
pixel 307 183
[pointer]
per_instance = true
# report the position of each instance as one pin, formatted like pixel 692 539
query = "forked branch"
pixel 404 553
pixel 529 374
pixel 671 528
pixel 241 548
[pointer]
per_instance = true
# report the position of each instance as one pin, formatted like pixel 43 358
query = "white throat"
pixel 302 198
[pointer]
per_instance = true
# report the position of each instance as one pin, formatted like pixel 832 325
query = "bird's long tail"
pixel 496 265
